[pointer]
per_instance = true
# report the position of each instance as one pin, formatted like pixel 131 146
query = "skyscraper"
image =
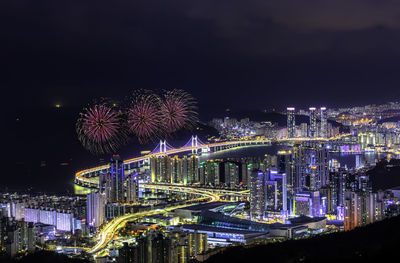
pixel 190 170
pixel 117 179
pixel 313 122
pixel 303 130
pixel 257 193
pixel 291 124
pixel 231 174
pixel 324 127
pixel 281 191
pixel 132 188
pixel 299 167
pixel 176 170
pixel 307 203
pixel 285 165
pixel 95 209
pixel 322 165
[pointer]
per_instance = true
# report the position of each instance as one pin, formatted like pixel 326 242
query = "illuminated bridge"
pixel 89 177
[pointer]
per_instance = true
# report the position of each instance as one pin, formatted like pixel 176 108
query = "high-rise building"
pixel 65 221
pixel 212 173
pixel 117 178
pixel 153 248
pixel 95 209
pixel 197 243
pixel 231 174
pixel 154 168
pixel 209 173
pixel 165 175
pixel 299 167
pixel 352 210
pixel 307 203
pixel 178 244
pixel 280 182
pixel 324 127
pixel 312 132
pixel 285 165
pixel 322 165
pixel 190 167
pixel 176 177
pixel 303 130
pixel 361 208
pixel 246 171
pixel 132 188
pixel 257 193
pixel 291 123
pixel 127 254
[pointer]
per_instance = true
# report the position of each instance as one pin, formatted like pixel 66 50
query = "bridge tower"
pixel 163 146
pixel 195 144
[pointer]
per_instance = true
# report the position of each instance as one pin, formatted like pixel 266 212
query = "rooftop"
pixel 220 230
pixel 206 206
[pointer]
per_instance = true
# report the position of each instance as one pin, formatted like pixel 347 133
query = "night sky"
pixel 237 53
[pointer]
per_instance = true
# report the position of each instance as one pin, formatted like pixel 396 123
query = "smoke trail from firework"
pixel 143 116
pixel 178 110
pixel 100 129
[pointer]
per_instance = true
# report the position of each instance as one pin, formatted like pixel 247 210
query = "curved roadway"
pixel 107 234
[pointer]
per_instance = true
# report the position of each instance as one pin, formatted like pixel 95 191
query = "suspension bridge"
pixel 89 177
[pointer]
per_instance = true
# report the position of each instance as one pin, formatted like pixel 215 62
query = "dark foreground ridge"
pixel 43 257
pixel 377 242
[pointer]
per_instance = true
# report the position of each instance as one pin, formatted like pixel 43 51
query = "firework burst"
pixel 178 110
pixel 100 129
pixel 143 116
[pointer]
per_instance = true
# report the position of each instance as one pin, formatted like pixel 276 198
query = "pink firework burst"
pixel 144 116
pixel 100 129
pixel 178 110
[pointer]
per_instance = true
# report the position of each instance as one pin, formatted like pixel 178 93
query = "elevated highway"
pixel 109 232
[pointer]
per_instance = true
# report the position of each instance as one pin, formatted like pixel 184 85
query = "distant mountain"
pixel 44 257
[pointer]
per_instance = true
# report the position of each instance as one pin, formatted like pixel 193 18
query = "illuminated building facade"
pixel 299 167
pixel 63 220
pixel 312 132
pixel 362 208
pixel 117 178
pixel 95 209
pixel 307 204
pixel 276 192
pixel 231 178
pixel 209 173
pixel 132 188
pixel 291 122
pixel 323 123
pixel 257 193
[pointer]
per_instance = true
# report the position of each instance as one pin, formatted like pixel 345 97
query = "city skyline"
pixel 200 131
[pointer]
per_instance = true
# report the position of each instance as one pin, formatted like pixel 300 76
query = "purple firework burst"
pixel 100 129
pixel 144 116
pixel 178 110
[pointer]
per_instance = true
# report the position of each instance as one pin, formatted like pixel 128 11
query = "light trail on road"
pixel 107 234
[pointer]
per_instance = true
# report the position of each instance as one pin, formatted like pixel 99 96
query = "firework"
pixel 100 129
pixel 178 110
pixel 143 116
